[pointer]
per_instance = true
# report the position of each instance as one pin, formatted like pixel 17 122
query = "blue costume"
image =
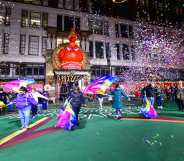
pixel 117 98
pixel 117 104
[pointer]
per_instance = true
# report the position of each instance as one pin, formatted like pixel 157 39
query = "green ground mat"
pixel 99 139
pixel 13 123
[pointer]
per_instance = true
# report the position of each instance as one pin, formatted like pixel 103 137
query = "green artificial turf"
pixel 11 123
pixel 8 125
pixel 99 139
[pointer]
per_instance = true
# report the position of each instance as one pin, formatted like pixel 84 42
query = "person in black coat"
pixel 150 93
pixel 3 96
pixel 76 99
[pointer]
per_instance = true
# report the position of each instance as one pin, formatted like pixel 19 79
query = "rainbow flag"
pixel 101 85
pixel 66 117
pixel 149 111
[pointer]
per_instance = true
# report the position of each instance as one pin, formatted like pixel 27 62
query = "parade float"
pixel 67 65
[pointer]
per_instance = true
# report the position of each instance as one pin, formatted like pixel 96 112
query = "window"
pixel 22 44
pixel 29 71
pixel 7 16
pixel 44 19
pixel 33 45
pixel 91 49
pixel 90 25
pixel 20 70
pixel 2 11
pixel 41 71
pixel 5 13
pixel 98 26
pixel 35 19
pixel 124 30
pixel 107 50
pixel 68 23
pixel 5 69
pixel 36 71
pixel 117 30
pixel 53 3
pixel 60 4
pixel 71 22
pixel 77 24
pixel 6 43
pixel 131 31
pixel 24 19
pixel 59 22
pixel 99 49
pixel 1 43
pixel 118 51
pixel 98 71
pixel 76 5
pixel 126 54
pixel 44 45
pixel 106 28
pixel 133 52
pixel 68 4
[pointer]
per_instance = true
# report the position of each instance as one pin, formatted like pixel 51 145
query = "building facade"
pixel 30 30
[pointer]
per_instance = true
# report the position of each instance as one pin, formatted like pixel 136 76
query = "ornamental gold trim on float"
pixel 71 76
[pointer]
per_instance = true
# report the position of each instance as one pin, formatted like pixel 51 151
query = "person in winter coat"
pixel 117 104
pixel 180 97
pixel 37 96
pixel 3 100
pixel 23 103
pixel 77 100
pixel 150 93
pixel 100 98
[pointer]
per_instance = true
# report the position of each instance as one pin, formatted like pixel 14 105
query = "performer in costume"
pixel 100 98
pixel 148 110
pixel 66 117
pixel 77 100
pixel 43 101
pixel 117 94
pixel 23 103
pixel 36 95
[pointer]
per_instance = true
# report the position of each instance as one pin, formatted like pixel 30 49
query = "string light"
pixel 119 1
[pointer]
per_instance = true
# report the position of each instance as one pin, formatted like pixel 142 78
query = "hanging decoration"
pixel 119 1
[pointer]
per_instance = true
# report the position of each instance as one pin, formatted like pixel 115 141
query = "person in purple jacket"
pixel 23 103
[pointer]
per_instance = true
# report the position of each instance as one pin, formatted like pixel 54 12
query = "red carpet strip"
pixel 27 134
pixel 159 119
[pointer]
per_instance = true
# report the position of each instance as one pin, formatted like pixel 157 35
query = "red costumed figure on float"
pixel 71 57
